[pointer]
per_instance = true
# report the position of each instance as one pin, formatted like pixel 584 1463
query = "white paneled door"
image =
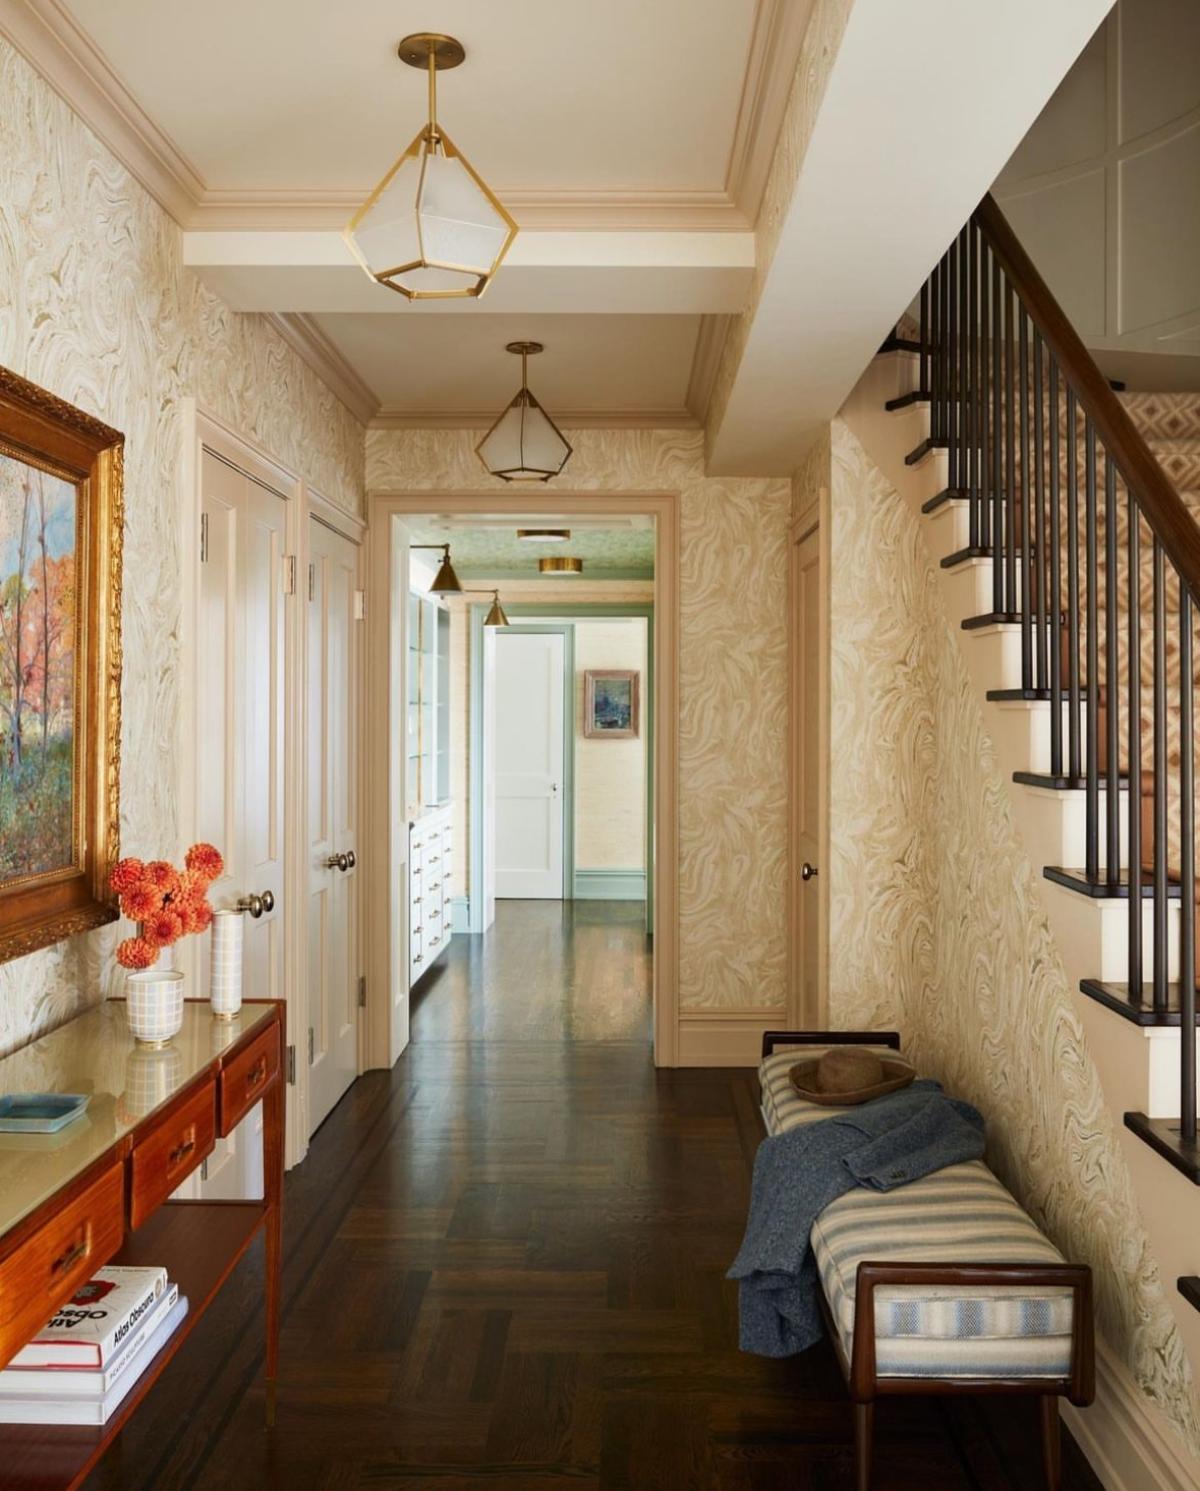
pixel 331 784
pixel 240 721
pixel 529 765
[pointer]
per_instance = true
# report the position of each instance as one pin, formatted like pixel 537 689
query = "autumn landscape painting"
pixel 37 669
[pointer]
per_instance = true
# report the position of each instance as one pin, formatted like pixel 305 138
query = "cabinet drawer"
pixel 46 1270
pixel 170 1152
pixel 247 1077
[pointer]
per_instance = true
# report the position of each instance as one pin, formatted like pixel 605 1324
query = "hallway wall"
pixel 936 925
pixel 733 683
pixel 96 306
pixel 610 775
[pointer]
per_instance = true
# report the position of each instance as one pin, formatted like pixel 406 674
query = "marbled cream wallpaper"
pixel 95 305
pixel 732 684
pixel 936 926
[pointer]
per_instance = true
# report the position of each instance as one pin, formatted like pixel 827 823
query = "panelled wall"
pixel 733 683
pixel 936 926
pixel 96 306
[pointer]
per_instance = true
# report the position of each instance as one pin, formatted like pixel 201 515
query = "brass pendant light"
pixel 495 615
pixel 432 229
pixel 524 444
pixel 445 582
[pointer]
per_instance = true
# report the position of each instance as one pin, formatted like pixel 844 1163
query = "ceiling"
pixel 495 551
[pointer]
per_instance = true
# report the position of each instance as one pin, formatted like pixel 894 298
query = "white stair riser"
pixel 1163 1100
pixel 1055 831
pixel 948 528
pixel 1024 726
pixel 1093 935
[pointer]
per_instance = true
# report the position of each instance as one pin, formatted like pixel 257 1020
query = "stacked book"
pixel 86 1359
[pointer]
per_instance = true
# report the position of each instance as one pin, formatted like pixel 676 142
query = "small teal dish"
pixel 40 1112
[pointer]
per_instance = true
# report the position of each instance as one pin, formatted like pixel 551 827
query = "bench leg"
pixel 864 1436
pixel 1051 1442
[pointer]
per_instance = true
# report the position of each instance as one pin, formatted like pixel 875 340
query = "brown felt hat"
pixel 847 1075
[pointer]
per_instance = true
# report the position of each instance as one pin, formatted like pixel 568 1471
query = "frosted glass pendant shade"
pixel 431 229
pixel 524 444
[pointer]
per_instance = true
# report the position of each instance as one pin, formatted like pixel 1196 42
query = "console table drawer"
pixel 169 1153
pixel 247 1077
pixel 46 1270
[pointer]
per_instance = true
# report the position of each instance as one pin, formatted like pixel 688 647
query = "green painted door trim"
pixel 530 613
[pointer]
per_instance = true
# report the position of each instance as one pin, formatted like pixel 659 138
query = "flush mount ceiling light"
pixel 445 582
pixel 431 229
pixel 543 535
pixel 560 564
pixel 524 444
pixel 495 615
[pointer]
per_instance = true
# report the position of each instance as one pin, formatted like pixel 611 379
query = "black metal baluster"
pixel 1026 552
pixel 954 401
pixel 1074 752
pixel 935 352
pixel 1160 780
pixel 1134 580
pixel 1038 537
pixel 998 539
pixel 966 296
pixel 1093 659
pixel 1112 677
pixel 1010 477
pixel 1187 875
pixel 1056 626
pixel 923 339
pixel 944 296
pixel 986 433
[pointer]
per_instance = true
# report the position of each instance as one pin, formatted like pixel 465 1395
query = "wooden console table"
pixel 96 1192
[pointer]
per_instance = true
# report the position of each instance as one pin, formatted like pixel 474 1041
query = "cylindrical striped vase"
pixel 225 972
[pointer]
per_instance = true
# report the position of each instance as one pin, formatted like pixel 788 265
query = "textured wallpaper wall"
pixel 936 926
pixel 95 305
pixel 610 775
pixel 732 684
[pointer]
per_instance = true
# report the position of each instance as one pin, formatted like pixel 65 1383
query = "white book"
pixel 94 1323
pixel 84 1382
pixel 96 1410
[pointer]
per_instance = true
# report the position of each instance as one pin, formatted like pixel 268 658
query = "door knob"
pixel 807 871
pixel 337 862
pixel 351 860
pixel 256 904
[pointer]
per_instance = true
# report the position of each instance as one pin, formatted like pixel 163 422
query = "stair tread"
pixel 1034 696
pixel 947 494
pixel 907 400
pixel 1064 783
pixel 1099 889
pixel 1136 1006
pixel 919 452
pixel 1162 1134
pixel 1189 1287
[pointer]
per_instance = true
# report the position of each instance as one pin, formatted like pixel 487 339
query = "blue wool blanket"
pixel 881 1144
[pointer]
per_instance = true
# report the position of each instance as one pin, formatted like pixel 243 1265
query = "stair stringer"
pixel 1136 1067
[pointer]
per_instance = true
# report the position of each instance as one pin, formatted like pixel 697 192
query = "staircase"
pixel 1066 519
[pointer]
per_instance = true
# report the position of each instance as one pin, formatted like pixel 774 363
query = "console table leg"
pixel 273 1140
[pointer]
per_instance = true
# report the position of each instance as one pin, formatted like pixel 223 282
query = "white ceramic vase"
pixel 225 964
pixel 154 1005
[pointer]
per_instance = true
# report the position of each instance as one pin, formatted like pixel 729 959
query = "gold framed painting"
pixel 611 704
pixel 61 517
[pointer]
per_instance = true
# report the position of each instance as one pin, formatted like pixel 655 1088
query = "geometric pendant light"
pixel 431 229
pixel 524 444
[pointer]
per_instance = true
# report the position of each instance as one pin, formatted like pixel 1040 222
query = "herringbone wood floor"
pixel 504 1269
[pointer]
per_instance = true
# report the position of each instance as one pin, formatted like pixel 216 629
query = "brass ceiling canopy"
pixel 432 229
pixel 543 535
pixel 524 444
pixel 560 564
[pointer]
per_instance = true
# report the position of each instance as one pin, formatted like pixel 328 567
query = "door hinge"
pixel 203 538
pixel 291 1066
pixel 289 574
pixel 360 605
pixel 362 992
pixel 311 1038
pixel 312 582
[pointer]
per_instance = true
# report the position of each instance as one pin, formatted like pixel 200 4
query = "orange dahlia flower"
pixel 164 927
pixel 126 873
pixel 136 952
pixel 140 903
pixel 205 861
pixel 162 876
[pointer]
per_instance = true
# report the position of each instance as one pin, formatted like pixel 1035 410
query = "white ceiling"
pixel 457 364
pixel 572 95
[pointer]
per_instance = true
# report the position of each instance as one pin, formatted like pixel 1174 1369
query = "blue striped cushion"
pixel 958 1215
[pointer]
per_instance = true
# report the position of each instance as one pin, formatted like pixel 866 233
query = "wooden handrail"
pixel 1163 508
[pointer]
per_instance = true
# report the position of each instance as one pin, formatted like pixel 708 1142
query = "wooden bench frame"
pixel 862 1379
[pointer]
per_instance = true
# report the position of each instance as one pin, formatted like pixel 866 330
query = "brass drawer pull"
pixel 429 890
pixel 435 913
pixel 70 1257
pixel 181 1151
pixel 257 1074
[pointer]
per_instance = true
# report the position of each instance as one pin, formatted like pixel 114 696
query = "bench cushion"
pixel 958 1215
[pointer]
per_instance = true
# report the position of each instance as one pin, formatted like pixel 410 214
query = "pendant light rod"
pixel 525 350
pixel 432 90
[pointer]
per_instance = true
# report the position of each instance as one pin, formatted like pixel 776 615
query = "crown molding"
pixel 604 419
pixel 705 361
pixel 310 343
pixel 778 35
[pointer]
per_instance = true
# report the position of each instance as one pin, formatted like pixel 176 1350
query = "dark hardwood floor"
pixel 504 1269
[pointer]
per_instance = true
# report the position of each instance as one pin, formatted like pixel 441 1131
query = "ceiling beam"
pixel 891 138
pixel 639 273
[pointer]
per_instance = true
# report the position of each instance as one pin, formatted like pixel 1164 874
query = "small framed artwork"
pixel 610 704
pixel 61 531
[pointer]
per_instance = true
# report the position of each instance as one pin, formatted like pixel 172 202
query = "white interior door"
pixel 488 746
pixel 529 765
pixel 331 786
pixel 240 720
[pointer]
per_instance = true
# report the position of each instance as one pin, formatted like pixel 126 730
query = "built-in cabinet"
pixel 430 876
pixel 428 733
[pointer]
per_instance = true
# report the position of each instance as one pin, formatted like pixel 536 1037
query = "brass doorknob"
pixel 807 871
pixel 351 860
pixel 256 904
pixel 337 862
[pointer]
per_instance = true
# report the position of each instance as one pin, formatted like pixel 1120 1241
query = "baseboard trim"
pixel 460 914
pixel 1127 1440
pixel 610 885
pixel 725 1037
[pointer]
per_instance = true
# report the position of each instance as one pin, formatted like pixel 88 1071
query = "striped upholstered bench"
pixel 943 1285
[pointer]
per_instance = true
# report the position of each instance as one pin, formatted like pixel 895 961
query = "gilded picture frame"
pixel 61 531
pixel 611 705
